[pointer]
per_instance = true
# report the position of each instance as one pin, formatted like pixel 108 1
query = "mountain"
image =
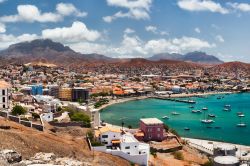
pixel 46 50
pixel 197 57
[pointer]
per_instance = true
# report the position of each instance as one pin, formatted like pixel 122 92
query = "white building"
pixel 119 143
pixel 4 95
pixel 48 117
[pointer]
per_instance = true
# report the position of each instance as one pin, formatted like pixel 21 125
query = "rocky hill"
pixel 63 143
pixel 196 57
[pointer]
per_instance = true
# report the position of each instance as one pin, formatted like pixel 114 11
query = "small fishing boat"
pixel 219 97
pixel 186 128
pixel 191 106
pixel 165 117
pixel 211 115
pixel 241 115
pixel 217 127
pixel 204 108
pixel 209 127
pixel 196 111
pixel 175 113
pixel 226 109
pixel 228 106
pixel 241 125
pixel 207 121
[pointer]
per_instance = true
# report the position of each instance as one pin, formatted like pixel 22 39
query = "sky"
pixel 132 28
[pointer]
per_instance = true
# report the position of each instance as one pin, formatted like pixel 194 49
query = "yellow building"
pixel 65 94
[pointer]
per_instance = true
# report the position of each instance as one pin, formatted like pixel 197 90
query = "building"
pixel 65 94
pixel 36 90
pixel 53 90
pixel 152 128
pixel 80 94
pixel 4 95
pixel 120 143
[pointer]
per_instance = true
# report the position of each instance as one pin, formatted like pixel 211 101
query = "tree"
pixel 35 115
pixel 18 110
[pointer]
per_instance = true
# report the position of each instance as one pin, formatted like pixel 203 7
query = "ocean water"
pixel 132 111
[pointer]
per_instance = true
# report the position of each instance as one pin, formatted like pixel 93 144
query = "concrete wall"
pixel 17 119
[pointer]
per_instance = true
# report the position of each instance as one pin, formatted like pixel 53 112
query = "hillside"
pixel 196 57
pixel 47 51
pixel 66 142
pixel 237 67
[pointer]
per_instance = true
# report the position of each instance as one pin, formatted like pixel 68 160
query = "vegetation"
pixel 208 163
pixel 178 155
pixel 129 126
pixel 59 109
pixel 101 94
pixel 174 132
pixel 90 136
pixel 153 152
pixel 18 110
pixel 101 102
pixel 166 127
pixel 35 115
pixel 78 116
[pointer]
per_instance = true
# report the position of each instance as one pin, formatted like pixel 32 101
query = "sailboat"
pixel 206 120
pixel 241 124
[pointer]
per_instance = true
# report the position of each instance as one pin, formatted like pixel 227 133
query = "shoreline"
pixel 182 95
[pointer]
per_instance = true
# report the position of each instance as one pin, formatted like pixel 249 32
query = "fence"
pixel 17 119
pixel 68 124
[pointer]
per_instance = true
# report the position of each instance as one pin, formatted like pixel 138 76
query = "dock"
pixel 175 100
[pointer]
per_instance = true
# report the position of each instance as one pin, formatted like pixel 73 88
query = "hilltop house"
pixel 123 144
pixel 152 128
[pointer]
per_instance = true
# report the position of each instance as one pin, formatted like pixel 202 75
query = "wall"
pixel 17 119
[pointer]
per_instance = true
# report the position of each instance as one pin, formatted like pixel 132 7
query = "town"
pixel 38 96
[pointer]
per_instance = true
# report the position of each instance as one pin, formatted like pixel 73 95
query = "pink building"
pixel 152 128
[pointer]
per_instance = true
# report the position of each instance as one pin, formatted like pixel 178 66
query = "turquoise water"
pixel 132 111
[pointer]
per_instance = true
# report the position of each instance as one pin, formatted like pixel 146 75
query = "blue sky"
pixel 132 28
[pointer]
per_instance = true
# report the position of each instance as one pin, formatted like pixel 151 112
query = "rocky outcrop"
pixel 10 157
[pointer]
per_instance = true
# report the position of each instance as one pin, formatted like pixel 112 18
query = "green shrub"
pixel 18 110
pixel 35 115
pixel 96 143
pixel 208 163
pixel 178 155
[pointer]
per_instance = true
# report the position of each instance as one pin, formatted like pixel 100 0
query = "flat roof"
pixel 4 84
pixel 226 160
pixel 151 121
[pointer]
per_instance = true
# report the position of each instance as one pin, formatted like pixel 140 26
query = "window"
pixel 127 147
pixel 3 99
pixel 4 106
pixel 158 135
pixel 128 152
pixel 3 92
pixel 105 142
pixel 158 129
pixel 135 146
pixel 104 136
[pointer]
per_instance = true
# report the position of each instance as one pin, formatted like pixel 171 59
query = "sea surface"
pixel 228 131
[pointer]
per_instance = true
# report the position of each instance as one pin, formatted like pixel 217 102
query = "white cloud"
pixel 67 9
pixel 2 28
pixel 244 7
pixel 1 1
pixel 219 38
pixel 129 30
pixel 6 40
pixel 137 9
pixel 202 5
pixel 78 32
pixel 177 45
pixel 30 13
pixel 151 28
pixel 197 30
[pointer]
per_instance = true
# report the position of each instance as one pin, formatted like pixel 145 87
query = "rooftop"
pixel 151 121
pixel 4 84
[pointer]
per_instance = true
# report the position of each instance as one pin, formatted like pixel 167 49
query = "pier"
pixel 175 100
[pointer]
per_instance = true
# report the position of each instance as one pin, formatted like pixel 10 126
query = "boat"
pixel 186 128
pixel 191 106
pixel 226 109
pixel 219 97
pixel 207 121
pixel 211 115
pixel 175 113
pixel 196 111
pixel 228 106
pixel 204 108
pixel 241 124
pixel 241 115
pixel 191 101
pixel 165 117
